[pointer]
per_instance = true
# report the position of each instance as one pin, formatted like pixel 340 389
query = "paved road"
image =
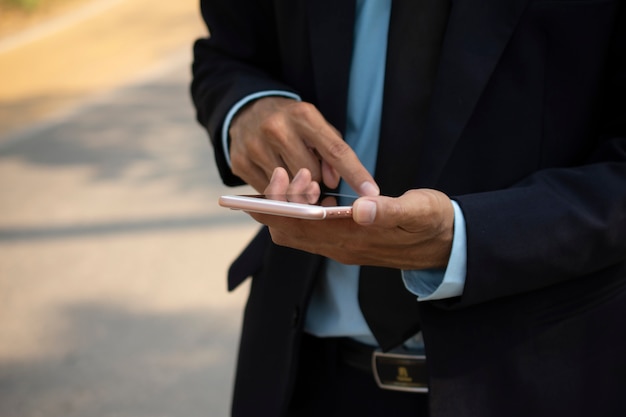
pixel 113 251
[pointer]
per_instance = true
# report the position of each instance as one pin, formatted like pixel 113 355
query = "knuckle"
pixel 338 150
pixel 398 211
pixel 303 110
pixel 273 124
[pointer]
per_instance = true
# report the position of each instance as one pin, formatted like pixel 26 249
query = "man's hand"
pixel 413 231
pixel 280 132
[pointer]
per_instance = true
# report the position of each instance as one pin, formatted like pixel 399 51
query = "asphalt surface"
pixel 113 251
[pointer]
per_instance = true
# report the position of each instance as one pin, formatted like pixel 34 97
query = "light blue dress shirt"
pixel 334 308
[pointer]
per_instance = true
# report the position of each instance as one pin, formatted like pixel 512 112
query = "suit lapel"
pixel 331 28
pixel 476 35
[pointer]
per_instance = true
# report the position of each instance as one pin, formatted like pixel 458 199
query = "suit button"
pixel 295 317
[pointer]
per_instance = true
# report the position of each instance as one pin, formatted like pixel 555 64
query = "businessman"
pixel 484 270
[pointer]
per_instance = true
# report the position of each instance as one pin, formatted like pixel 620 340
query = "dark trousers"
pixel 326 386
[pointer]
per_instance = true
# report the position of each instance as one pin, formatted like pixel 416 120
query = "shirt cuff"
pixel 239 105
pixel 436 284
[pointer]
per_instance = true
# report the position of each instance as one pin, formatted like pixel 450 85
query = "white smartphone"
pixel 325 208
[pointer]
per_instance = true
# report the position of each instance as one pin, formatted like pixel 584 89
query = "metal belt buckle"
pixel 400 371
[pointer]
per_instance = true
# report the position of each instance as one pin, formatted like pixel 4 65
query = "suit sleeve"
pixel 238 59
pixel 559 224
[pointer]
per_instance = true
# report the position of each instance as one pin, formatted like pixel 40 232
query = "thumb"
pixel 365 209
pixel 413 211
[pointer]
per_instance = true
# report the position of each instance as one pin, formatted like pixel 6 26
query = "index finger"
pixel 340 156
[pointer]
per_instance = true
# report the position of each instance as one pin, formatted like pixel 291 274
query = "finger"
pixel 339 156
pixel 365 210
pixel 254 168
pixel 388 211
pixel 281 132
pixel 328 144
pixel 330 176
pixel 261 155
pixel 257 178
pixel 303 189
pixel 313 192
pixel 414 211
pixel 277 187
pixel 296 155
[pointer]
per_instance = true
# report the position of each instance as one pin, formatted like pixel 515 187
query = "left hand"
pixel 413 231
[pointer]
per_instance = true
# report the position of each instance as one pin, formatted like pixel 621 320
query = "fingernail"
pixel 369 189
pixel 365 212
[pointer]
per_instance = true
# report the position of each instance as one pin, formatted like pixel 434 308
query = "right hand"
pixel 276 132
pixel 413 231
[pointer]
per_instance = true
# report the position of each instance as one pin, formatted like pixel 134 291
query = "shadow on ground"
pixel 131 126
pixel 117 201
pixel 110 360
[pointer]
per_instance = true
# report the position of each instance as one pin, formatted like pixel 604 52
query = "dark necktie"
pixel 414 43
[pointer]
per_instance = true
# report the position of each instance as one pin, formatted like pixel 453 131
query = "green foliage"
pixel 26 5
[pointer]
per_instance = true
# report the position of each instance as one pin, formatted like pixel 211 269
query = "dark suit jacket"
pixel 527 131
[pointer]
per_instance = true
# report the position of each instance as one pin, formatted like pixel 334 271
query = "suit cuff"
pixel 436 284
pixel 233 111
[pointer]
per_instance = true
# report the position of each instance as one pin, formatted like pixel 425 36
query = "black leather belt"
pixel 398 370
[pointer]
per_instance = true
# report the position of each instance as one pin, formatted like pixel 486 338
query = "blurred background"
pixel 113 251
